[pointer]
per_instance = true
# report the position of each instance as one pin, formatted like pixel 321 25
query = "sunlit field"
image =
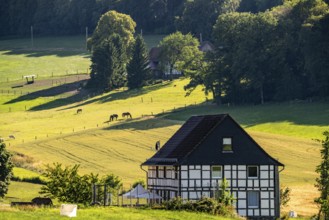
pixel 47 128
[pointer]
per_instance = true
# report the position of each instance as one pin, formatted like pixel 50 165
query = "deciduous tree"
pixel 6 167
pixel 322 182
pixel 179 51
pixel 110 23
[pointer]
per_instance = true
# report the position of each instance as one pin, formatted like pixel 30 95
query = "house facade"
pixel 207 149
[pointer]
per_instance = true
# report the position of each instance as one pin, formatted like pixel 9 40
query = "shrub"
pixel 206 205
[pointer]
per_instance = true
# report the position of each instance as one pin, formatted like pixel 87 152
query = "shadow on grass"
pixel 53 91
pixel 59 52
pixel 250 115
pixel 121 95
pixel 146 124
pixel 79 96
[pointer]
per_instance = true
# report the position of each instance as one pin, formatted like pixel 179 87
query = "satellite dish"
pixel 157 145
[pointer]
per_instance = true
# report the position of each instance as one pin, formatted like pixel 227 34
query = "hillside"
pixel 43 118
pixel 58 134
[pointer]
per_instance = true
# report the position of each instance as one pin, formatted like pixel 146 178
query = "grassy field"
pixel 49 56
pixel 42 116
pixel 104 213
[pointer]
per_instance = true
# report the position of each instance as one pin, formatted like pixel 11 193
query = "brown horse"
pixel 126 114
pixel 79 110
pixel 114 116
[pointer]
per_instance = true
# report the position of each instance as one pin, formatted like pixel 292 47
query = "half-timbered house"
pixel 207 149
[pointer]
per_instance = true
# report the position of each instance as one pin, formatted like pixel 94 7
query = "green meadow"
pixel 115 213
pixel 43 118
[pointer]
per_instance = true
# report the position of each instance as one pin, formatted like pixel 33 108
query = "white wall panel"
pixel 265 204
pixel 263 167
pixel 242 167
pixel 184 174
pixel 205 183
pixel 264 183
pixel 264 212
pixel 205 167
pixel 195 174
pixel 206 174
pixel 227 174
pixel 242 203
pixel 241 183
pixel 242 195
pixel 242 175
pixel 264 195
pixel 264 174
pixel 242 212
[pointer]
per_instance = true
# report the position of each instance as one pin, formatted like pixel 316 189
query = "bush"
pixel 206 205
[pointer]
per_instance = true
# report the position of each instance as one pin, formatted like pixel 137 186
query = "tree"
pixel 138 69
pixel 6 167
pixel 110 23
pixel 110 44
pixel 322 182
pixel 67 185
pixel 104 63
pixel 224 196
pixel 179 52
pixel 112 181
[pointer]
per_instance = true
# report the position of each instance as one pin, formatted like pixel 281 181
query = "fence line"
pixel 51 75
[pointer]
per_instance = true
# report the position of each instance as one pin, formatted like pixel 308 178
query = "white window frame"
pixel 221 172
pixel 224 142
pixel 253 177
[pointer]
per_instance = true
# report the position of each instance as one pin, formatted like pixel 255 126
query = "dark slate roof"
pixel 192 132
pixel 181 147
pixel 154 54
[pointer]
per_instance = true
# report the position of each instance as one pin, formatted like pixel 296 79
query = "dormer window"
pixel 227 144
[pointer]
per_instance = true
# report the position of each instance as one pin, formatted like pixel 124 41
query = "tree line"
pixel 276 55
pixel 152 16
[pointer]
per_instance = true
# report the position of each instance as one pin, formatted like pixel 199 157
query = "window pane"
pixel 253 199
pixel 227 141
pixel 252 171
pixel 216 171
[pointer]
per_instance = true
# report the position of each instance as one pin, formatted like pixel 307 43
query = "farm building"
pixel 207 149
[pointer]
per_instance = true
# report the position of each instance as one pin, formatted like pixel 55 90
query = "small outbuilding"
pixel 30 79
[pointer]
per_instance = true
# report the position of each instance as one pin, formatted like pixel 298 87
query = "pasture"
pixel 43 118
pixel 49 56
pixel 114 213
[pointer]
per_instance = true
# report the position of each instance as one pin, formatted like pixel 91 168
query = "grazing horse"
pixel 126 114
pixel 79 110
pixel 11 136
pixel 42 201
pixel 114 116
